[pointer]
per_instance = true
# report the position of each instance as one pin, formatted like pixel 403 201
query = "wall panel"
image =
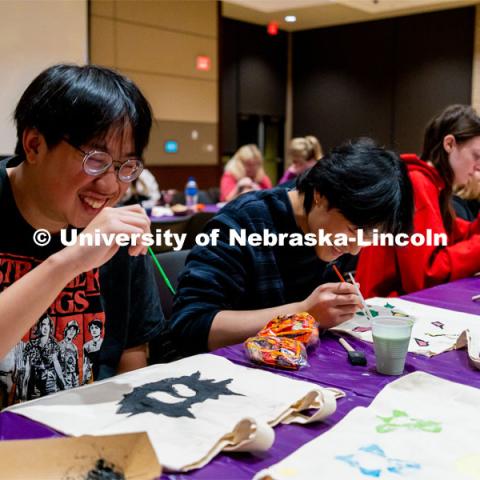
pixel 198 17
pixel 342 82
pixel 156 43
pixel 383 79
pixel 153 50
pixel 35 35
pixel 434 70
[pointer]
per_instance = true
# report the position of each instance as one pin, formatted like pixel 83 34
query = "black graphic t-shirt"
pixel 82 335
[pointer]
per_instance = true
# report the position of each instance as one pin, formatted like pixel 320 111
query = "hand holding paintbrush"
pixel 331 304
pixel 365 309
pixel 355 357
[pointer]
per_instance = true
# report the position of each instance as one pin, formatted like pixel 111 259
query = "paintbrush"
pixel 365 309
pixel 359 293
pixel 339 275
pixel 162 271
pixel 355 357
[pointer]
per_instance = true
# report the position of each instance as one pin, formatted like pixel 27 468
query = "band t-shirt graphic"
pixel 62 349
pixel 92 321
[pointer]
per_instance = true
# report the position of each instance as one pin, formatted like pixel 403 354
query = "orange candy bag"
pixel 298 326
pixel 282 342
pixel 276 352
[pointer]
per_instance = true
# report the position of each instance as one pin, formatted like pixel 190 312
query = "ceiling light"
pixel 290 18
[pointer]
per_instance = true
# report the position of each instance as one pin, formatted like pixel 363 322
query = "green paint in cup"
pixel 391 336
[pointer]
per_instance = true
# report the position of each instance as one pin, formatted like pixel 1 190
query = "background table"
pixel 191 224
pixel 328 367
pixel 208 208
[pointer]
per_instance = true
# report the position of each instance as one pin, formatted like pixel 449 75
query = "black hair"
pixel 81 104
pixel 95 322
pixel 368 184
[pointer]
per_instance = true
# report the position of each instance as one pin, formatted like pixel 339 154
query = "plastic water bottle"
pixel 191 193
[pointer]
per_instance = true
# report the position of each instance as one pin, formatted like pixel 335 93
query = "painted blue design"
pixel 350 459
pixel 372 454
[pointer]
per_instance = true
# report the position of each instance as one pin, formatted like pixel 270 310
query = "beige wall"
pixel 35 34
pixel 156 43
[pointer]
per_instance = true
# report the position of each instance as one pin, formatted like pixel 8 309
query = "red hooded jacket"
pixel 392 271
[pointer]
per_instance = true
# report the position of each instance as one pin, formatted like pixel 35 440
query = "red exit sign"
pixel 203 63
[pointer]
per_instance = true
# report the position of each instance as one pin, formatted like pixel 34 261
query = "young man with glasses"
pixel 81 132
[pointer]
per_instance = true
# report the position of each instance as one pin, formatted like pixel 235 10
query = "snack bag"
pixel 298 326
pixel 276 352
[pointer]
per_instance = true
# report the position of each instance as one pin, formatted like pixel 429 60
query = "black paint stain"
pixel 104 471
pixel 139 401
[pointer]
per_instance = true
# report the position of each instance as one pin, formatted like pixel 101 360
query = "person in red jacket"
pixel 451 154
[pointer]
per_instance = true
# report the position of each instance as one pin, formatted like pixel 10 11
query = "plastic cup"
pixel 391 336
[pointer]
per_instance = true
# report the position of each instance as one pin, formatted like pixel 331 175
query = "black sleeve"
pixel 214 279
pixel 147 318
pixel 132 302
pixel 461 208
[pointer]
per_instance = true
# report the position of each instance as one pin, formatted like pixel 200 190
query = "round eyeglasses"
pixel 96 162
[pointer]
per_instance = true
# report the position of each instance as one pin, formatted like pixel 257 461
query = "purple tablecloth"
pixel 328 367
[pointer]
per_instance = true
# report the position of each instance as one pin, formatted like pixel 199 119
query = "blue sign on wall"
pixel 171 146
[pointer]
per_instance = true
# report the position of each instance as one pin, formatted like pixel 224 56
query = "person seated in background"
pixel 451 153
pixel 303 152
pixel 81 131
pixel 466 200
pixel 144 189
pixel 228 292
pixel 243 173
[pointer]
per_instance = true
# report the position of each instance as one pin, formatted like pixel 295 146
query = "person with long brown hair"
pixel 451 153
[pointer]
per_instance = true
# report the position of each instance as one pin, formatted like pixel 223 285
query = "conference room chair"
pixel 162 349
